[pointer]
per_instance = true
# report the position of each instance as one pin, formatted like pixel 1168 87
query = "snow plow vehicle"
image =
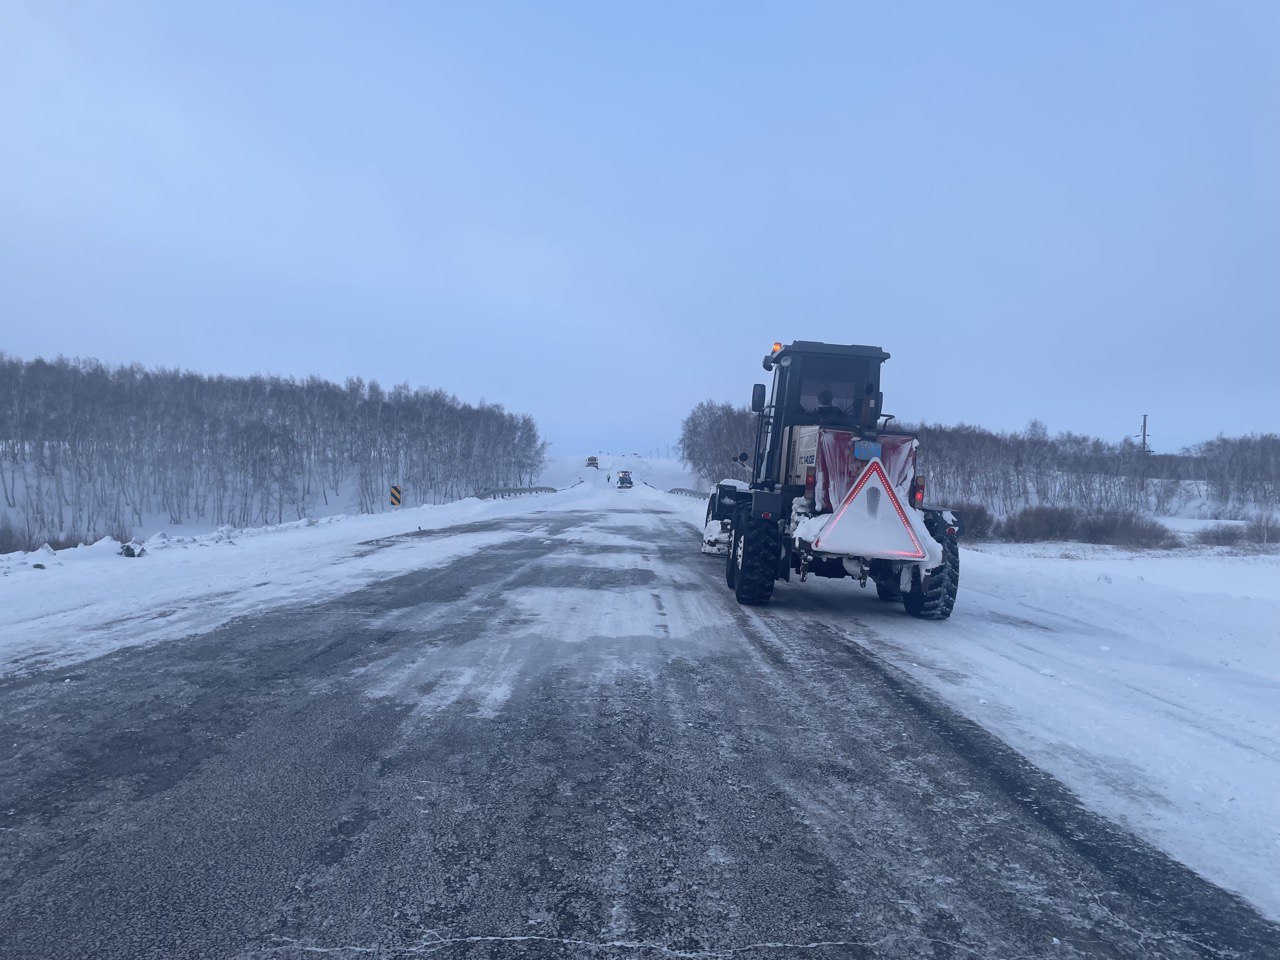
pixel 593 462
pixel 833 492
pixel 624 480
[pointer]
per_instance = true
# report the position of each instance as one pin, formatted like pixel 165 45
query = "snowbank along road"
pixel 558 737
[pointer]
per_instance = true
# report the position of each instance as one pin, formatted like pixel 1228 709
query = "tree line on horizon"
pixel 1008 471
pixel 88 449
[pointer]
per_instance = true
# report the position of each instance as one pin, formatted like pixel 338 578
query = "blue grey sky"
pixel 603 213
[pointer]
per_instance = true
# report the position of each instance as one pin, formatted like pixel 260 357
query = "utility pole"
pixel 1145 461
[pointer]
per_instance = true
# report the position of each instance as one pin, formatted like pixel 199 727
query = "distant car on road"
pixel 624 479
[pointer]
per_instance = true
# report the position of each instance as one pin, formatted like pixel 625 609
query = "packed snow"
pixel 1148 682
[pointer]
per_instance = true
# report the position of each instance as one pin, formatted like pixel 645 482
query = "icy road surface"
pixel 555 734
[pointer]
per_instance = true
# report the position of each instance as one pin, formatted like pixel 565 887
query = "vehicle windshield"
pixel 833 382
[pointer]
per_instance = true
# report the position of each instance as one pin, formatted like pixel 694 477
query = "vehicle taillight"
pixel 810 482
pixel 917 492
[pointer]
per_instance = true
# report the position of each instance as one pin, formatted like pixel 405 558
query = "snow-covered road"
pixel 543 728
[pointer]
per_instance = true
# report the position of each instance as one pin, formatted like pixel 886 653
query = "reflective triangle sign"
pixel 870 521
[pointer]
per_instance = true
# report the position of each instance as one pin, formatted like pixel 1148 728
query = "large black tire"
pixel 758 543
pixel 731 561
pixel 933 595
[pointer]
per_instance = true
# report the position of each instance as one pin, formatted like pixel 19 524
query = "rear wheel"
pixel 933 592
pixel 757 544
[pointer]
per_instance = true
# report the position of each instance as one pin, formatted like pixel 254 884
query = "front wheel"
pixel 758 545
pixel 731 561
pixel 933 593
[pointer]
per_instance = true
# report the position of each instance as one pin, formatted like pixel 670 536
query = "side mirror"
pixel 757 398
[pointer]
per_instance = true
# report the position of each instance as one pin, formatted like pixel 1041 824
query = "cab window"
pixel 844 378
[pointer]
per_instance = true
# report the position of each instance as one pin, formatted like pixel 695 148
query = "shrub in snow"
pixel 1039 523
pixel 1124 529
pixel 1264 528
pixel 11 541
pixel 1221 535
pixel 978 522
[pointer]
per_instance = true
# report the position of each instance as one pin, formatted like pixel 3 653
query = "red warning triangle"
pixel 870 521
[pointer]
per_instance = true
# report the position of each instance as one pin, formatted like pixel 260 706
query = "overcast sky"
pixel 603 213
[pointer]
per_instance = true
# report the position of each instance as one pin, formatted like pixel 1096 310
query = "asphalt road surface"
pixel 573 744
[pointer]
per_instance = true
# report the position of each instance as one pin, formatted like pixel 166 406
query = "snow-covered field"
pixel 558 472
pixel 1148 682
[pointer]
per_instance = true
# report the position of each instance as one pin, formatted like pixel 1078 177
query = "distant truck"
pixel 833 492
pixel 624 480
pixel 593 462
